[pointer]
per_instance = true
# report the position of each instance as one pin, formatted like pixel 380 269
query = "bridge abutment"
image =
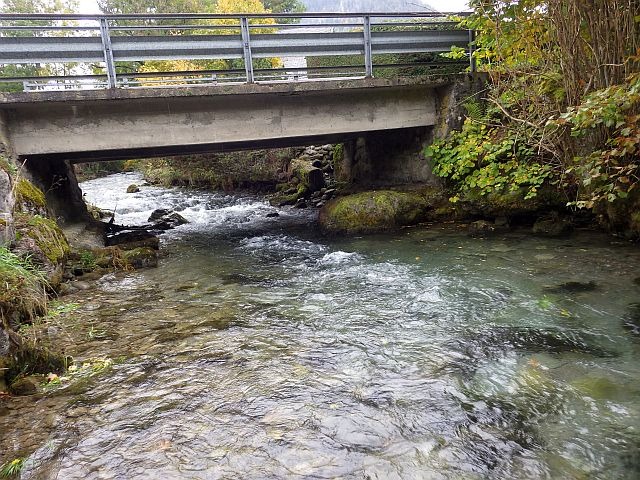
pixel 387 158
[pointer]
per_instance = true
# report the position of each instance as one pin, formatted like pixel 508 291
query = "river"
pixel 259 349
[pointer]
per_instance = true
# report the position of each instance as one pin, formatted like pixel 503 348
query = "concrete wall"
pixel 385 158
pixel 95 125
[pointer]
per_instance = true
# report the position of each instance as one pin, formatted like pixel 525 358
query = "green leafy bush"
pixel 613 171
pixel 481 159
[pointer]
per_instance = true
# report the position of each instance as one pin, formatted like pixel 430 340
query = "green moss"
pixel 27 193
pixel 7 166
pixel 338 153
pixel 374 211
pixel 49 238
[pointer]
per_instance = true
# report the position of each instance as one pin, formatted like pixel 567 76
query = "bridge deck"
pixel 91 125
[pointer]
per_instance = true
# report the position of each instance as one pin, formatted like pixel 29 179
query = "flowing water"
pixel 259 349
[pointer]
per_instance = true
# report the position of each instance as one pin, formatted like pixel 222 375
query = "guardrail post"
pixel 108 53
pixel 246 43
pixel 368 55
pixel 472 59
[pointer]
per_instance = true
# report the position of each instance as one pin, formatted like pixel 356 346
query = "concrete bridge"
pixel 91 125
pixel 105 107
pixel 82 116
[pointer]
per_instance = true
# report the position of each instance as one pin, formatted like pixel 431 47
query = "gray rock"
pixel 167 220
pixel 552 226
pixel 158 214
pixel 482 226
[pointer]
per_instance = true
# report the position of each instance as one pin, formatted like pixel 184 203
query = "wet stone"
pixel 573 287
pixel 26 385
pixel 631 319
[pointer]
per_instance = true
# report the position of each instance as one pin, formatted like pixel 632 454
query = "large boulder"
pixel 373 211
pixel 166 219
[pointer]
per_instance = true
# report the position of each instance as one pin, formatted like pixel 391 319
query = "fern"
pixel 475 110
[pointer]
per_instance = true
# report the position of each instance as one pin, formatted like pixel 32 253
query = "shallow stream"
pixel 259 349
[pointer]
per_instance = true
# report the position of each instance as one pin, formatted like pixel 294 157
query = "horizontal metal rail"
pixel 86 43
pixel 165 16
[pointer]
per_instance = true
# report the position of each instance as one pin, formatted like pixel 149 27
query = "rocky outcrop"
pixel 33 253
pixel 374 211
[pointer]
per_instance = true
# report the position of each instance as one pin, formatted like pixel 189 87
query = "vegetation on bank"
pixel 253 170
pixel 23 287
pixel 561 110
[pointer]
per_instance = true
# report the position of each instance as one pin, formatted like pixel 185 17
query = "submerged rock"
pixel 373 211
pixel 491 344
pixel 631 320
pixel 573 287
pixel 597 387
pixel 481 226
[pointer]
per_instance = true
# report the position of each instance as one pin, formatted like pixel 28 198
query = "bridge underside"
pixel 96 125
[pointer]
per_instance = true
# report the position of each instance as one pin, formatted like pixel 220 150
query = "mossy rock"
pixel 311 177
pixel 29 198
pixel 508 204
pixel 49 238
pixel 373 211
pixel 142 257
pixel 26 385
pixel 33 358
pixel 133 188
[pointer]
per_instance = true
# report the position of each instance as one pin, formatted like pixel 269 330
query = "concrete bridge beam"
pixel 98 124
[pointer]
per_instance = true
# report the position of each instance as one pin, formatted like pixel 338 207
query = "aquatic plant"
pixel 12 468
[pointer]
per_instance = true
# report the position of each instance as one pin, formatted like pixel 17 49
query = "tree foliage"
pixel 284 6
pixel 564 94
pixel 31 6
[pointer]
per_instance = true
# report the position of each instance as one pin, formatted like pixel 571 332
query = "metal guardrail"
pixel 110 43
